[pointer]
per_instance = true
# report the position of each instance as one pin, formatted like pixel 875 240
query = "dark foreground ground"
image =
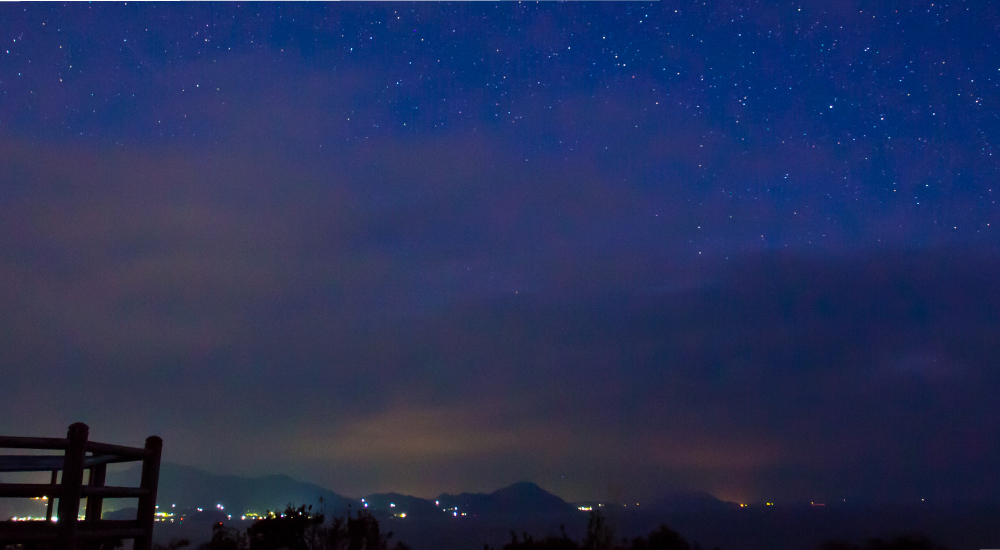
pixel 764 528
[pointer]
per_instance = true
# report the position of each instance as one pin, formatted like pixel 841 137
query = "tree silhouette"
pixel 225 538
pixel 361 532
pixel 285 530
pixel 548 543
pixel 600 536
pixel 301 529
pixel 663 538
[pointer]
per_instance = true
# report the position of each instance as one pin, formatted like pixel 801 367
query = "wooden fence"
pixel 67 532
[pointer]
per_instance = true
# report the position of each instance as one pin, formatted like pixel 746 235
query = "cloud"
pixel 433 316
pixel 415 435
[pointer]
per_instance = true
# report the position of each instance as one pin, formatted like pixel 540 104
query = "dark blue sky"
pixel 613 248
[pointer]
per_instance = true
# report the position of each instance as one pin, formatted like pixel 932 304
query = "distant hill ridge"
pixel 188 486
pixel 523 498
pixel 689 500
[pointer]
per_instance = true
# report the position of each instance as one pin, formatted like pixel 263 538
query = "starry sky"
pixel 618 249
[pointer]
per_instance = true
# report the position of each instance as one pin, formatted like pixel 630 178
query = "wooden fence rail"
pixel 65 531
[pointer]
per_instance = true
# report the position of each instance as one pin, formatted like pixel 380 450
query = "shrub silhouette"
pixel 906 542
pixel 225 538
pixel 301 529
pixel 600 536
pixel 285 530
pixel 174 544
pixel 548 543
pixel 361 532
pixel 663 538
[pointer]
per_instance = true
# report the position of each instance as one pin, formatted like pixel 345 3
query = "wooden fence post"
pixel 51 499
pixel 72 485
pixel 147 503
pixel 95 505
pixel 98 473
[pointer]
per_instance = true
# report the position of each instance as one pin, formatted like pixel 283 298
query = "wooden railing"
pixel 67 532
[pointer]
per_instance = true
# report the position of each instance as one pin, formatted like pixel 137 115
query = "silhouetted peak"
pixel 697 500
pixel 187 486
pixel 523 498
pixel 526 488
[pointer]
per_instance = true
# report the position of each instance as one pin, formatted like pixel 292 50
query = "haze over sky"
pixel 616 249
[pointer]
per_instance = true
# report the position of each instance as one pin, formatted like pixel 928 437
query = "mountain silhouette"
pixel 689 500
pixel 520 499
pixel 395 504
pixel 189 487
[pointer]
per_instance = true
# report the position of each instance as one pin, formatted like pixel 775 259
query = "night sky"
pixel 617 249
